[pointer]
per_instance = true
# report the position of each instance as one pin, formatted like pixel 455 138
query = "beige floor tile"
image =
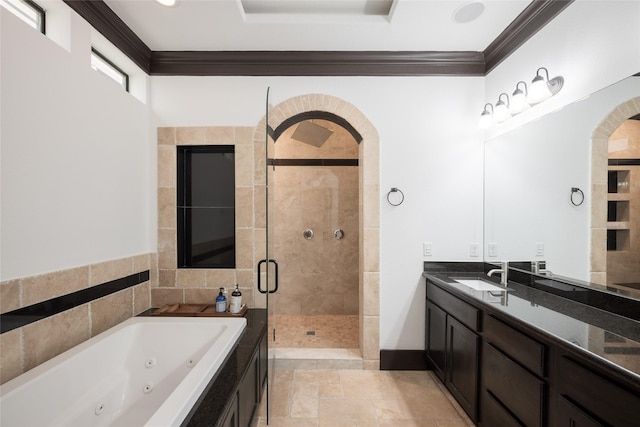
pixel 333 412
pixel 407 423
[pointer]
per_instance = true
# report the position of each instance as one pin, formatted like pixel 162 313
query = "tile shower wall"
pixel 26 347
pixel 191 286
pixel 318 275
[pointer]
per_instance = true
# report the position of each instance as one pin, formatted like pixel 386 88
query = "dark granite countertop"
pixel 547 306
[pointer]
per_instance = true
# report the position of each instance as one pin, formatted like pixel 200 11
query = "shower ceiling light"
pixel 541 88
pixel 468 12
pixel 167 3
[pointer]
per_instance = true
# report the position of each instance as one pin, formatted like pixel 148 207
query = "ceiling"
pixel 318 37
pixel 334 25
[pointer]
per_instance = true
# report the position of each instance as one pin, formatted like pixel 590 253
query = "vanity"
pixel 529 354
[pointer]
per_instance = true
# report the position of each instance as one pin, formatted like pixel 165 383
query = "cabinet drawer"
pixel 528 352
pixel 570 415
pixel 598 396
pixel 494 414
pixel 513 386
pixel 466 314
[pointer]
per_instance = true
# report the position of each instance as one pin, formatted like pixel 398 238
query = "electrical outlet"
pixel 493 249
pixel 474 250
pixel 426 249
pixel 540 249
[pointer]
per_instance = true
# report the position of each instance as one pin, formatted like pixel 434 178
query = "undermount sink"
pixel 481 285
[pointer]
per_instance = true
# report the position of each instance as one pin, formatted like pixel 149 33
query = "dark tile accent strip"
pixel 317 63
pixel 312 162
pixel 624 162
pixel 453 267
pixel 25 315
pixel 403 360
pixel 633 351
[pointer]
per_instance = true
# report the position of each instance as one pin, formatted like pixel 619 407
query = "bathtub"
pixel 146 371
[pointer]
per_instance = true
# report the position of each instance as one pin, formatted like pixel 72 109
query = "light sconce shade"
pixel 542 88
pixel 501 111
pixel 486 118
pixel 519 99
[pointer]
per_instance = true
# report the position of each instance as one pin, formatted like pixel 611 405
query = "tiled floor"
pixel 316 331
pixel 360 398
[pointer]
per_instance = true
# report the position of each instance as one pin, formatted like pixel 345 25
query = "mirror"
pixel 532 175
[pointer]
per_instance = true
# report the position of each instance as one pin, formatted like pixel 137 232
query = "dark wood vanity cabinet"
pixel 453 345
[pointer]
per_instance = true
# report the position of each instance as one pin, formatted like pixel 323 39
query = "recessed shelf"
pixel 618 240
pixel 618 210
pixel 618 181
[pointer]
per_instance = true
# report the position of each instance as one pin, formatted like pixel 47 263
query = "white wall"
pixel 430 148
pixel 75 164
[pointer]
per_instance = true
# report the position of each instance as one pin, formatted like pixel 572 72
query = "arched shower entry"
pixel 323 209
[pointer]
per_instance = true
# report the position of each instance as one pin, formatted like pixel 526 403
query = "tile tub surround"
pixel 339 397
pixel 27 346
pixel 197 286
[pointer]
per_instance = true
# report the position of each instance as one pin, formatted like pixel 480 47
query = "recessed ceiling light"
pixel 168 3
pixel 468 12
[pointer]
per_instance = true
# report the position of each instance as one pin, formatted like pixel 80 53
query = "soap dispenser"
pixel 221 302
pixel 236 301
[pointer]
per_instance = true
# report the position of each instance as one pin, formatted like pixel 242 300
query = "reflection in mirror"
pixel 530 174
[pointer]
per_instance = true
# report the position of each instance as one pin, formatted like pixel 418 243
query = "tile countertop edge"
pixel 620 372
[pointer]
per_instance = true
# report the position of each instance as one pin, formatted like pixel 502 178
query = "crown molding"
pixel 317 63
pixel 535 16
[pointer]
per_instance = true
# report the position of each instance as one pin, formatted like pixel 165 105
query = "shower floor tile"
pixel 318 331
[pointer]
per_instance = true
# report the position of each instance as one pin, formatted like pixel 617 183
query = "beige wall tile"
pixel 191 135
pixel 110 270
pixel 108 311
pixel 244 165
pixel 200 296
pixel 191 278
pixel 46 286
pixel 49 337
pixel 9 295
pixel 167 212
pixel 162 296
pixel 244 207
pixel 10 355
pixel 166 136
pixel 371 294
pixel 244 248
pixel 220 135
pixel 141 298
pixel 371 249
pixel 141 263
pixel 167 167
pixel 167 278
pixel 221 278
pixel 243 135
pixel 371 337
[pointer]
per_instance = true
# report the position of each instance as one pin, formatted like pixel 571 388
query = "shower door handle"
pixel 275 264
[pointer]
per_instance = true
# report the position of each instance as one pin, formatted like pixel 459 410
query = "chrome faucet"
pixel 535 268
pixel 504 272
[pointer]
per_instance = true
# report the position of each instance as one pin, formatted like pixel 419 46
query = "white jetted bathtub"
pixel 146 371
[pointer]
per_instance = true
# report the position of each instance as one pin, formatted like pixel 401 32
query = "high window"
pixel 101 63
pixel 28 11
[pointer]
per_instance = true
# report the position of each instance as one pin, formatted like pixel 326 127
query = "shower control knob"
pixel 308 234
pixel 338 234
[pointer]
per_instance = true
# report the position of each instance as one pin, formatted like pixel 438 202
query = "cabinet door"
pixel 463 350
pixel 248 393
pixel 436 339
pixel 231 417
pixel 569 415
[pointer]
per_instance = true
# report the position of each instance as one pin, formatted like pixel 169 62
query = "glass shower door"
pixel 268 266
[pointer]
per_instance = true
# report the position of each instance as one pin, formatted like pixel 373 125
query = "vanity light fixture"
pixel 519 99
pixel 501 112
pixel 542 88
pixel 486 118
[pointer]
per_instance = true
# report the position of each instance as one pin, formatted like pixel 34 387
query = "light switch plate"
pixel 493 249
pixel 539 249
pixel 474 250
pixel 427 249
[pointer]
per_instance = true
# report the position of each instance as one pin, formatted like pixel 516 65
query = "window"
pixel 206 206
pixel 28 11
pixel 102 64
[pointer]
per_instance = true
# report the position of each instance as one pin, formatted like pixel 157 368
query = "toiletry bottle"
pixel 221 302
pixel 236 300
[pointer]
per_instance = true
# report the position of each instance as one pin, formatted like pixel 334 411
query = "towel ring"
pixel 395 190
pixel 575 190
